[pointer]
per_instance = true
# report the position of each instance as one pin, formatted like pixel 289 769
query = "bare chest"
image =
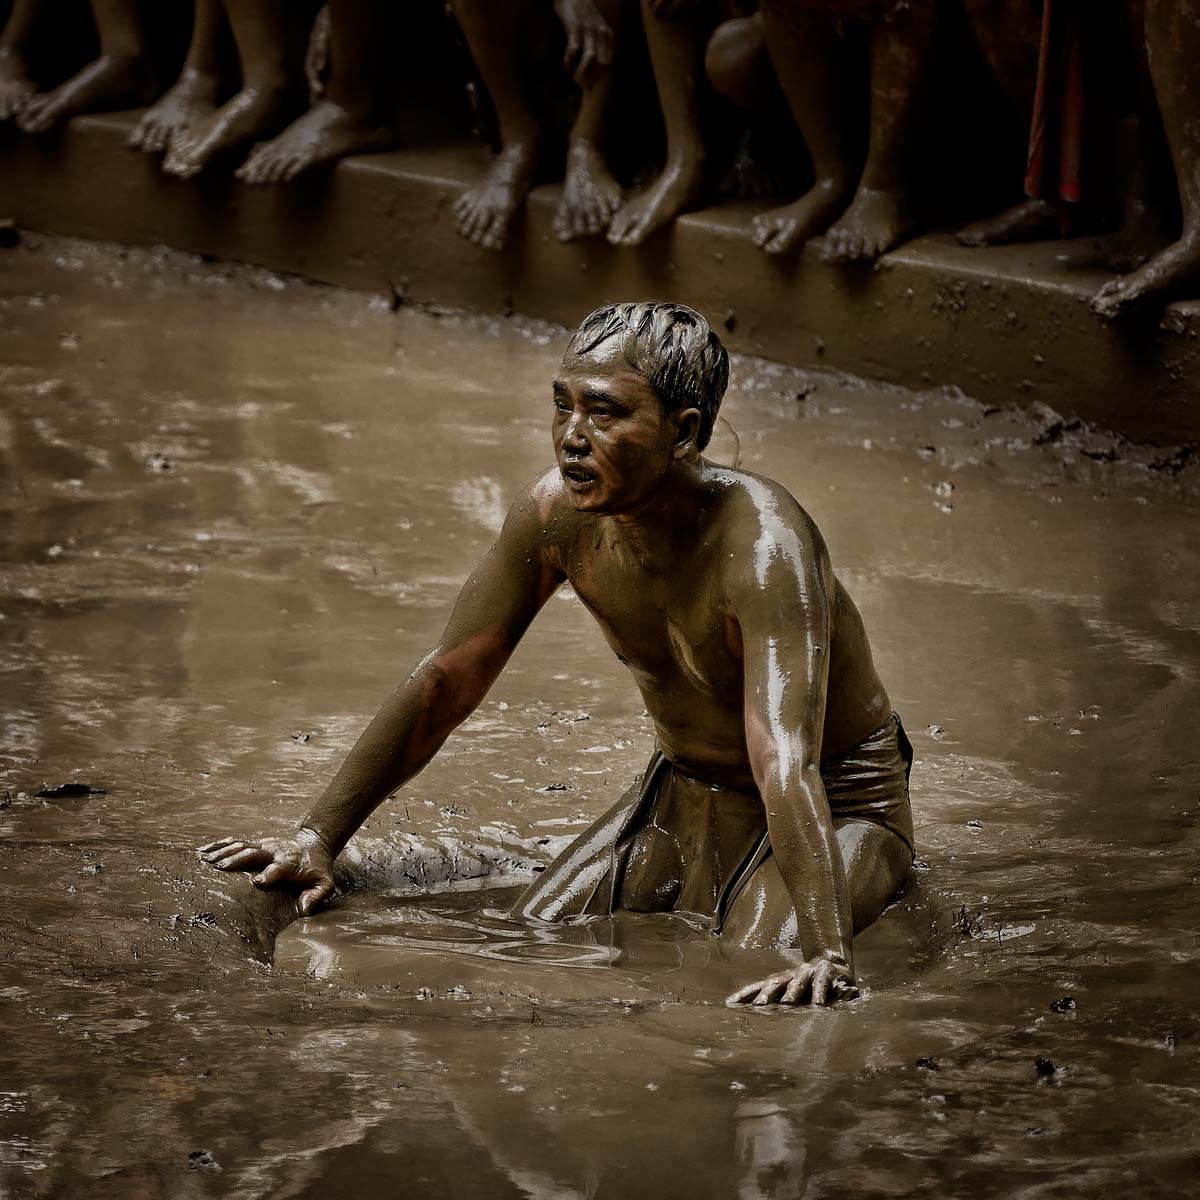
pixel 670 627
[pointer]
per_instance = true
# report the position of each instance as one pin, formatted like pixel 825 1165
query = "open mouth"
pixel 577 475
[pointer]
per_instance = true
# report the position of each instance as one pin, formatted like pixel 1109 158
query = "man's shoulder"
pixel 757 509
pixel 542 509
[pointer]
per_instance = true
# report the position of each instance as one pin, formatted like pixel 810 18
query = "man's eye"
pixel 562 405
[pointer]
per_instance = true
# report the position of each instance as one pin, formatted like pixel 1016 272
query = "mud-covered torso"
pixel 670 621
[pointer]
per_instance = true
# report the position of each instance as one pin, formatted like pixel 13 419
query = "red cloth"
pixel 1074 114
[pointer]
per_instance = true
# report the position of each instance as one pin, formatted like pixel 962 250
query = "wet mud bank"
pixel 1005 325
pixel 234 510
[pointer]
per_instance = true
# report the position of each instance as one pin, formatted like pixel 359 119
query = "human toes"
pixel 38 115
pixel 156 137
pixel 1109 300
pixel 783 238
pixel 180 159
pixel 492 237
pixel 255 167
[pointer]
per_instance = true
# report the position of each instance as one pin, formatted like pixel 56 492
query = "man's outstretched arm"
pixel 782 606
pixel 497 604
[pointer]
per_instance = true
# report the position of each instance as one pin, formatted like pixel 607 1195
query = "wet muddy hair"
pixel 672 346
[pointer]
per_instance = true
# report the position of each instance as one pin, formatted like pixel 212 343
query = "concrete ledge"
pixel 1006 326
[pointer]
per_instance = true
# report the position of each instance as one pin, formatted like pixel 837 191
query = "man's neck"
pixel 665 521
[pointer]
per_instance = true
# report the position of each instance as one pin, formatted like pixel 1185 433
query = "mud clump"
pixel 68 791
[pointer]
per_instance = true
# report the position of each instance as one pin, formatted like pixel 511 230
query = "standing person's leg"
pixel 16 42
pixel 272 39
pixel 882 212
pixel 590 195
pixel 812 60
pixel 194 94
pixel 677 42
pixel 1173 43
pixel 350 117
pixel 496 35
pixel 1142 234
pixel 120 77
pixel 1008 35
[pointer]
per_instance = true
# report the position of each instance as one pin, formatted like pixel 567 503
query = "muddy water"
pixel 235 510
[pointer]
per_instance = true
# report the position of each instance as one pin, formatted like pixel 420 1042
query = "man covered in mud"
pixel 775 805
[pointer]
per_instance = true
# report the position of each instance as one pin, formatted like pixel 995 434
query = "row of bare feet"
pixel 190 128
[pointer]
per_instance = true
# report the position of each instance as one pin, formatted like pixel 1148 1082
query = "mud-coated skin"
pixel 17 85
pixel 272 40
pixel 511 41
pixel 715 588
pixel 1172 36
pixel 119 77
pixel 861 203
pixel 193 97
pixel 348 116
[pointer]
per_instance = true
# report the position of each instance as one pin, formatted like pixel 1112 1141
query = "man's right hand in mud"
pixel 303 860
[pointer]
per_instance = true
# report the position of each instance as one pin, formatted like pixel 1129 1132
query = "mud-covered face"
pixel 613 442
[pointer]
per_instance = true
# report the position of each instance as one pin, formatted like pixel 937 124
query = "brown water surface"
pixel 233 512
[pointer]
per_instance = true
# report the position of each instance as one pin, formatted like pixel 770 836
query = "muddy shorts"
pixel 674 843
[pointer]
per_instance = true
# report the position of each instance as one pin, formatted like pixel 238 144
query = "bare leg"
pixel 881 215
pixel 486 211
pixel 1141 233
pixel 810 59
pixel 1173 42
pixel 194 95
pixel 16 85
pixel 590 195
pixel 677 45
pixel 739 68
pixel 118 78
pixel 1008 34
pixel 271 41
pixel 878 869
pixel 348 119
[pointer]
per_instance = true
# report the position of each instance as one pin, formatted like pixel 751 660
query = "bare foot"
pixel 255 112
pixel 590 195
pixel 485 212
pixel 1140 238
pixel 873 224
pixel 193 98
pixel 322 135
pixel 107 84
pixel 782 229
pixel 1029 221
pixel 16 88
pixel 1163 278
pixel 675 190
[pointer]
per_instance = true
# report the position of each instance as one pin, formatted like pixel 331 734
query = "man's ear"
pixel 687 431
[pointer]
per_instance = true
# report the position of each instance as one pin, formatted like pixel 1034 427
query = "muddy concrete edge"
pixel 1007 325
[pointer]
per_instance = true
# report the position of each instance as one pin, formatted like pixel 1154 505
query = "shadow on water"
pixel 234 509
